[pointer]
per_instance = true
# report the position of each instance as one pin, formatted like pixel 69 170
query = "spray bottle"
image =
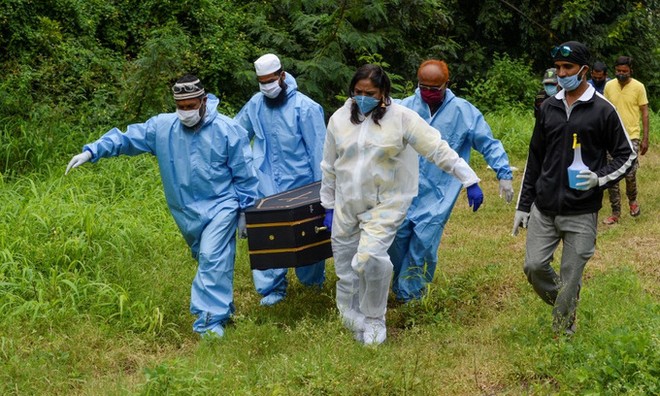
pixel 577 166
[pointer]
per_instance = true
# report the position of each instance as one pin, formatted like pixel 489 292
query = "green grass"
pixel 95 282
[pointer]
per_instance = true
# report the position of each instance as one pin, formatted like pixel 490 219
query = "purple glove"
pixel 475 196
pixel 327 222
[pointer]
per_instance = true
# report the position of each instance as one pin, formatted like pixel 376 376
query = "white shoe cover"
pixel 375 331
pixel 354 321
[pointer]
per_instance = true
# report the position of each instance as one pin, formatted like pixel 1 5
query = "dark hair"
pixel 381 81
pixel 600 66
pixel 624 60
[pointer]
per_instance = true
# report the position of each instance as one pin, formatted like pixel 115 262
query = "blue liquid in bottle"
pixel 577 166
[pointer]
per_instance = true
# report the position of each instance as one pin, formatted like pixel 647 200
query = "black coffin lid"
pixel 283 229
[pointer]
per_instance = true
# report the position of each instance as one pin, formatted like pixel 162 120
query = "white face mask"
pixel 189 118
pixel 271 90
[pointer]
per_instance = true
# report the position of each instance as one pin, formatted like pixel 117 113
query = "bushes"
pixel 73 70
pixel 508 83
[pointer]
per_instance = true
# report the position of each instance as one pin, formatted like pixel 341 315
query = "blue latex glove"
pixel 475 196
pixel 327 222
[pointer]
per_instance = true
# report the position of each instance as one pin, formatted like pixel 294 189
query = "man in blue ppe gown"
pixel 288 129
pixel 206 168
pixel 414 252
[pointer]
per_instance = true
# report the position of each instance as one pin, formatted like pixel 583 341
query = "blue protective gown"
pixel 207 176
pixel 287 151
pixel 414 252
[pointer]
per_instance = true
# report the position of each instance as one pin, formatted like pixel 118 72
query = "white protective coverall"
pixel 370 176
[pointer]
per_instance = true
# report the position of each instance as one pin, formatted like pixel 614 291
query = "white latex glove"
pixel 78 160
pixel 590 182
pixel 506 190
pixel 242 226
pixel 520 219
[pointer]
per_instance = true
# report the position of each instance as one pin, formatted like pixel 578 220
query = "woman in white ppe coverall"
pixel 370 176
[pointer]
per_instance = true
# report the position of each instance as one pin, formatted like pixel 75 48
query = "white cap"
pixel 267 64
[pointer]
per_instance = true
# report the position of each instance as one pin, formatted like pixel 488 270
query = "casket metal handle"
pixel 319 229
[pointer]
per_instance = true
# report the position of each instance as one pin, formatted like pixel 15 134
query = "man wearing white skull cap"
pixel 288 131
pixel 267 64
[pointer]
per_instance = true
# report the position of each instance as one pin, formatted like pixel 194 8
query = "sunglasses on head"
pixel 564 50
pixel 185 87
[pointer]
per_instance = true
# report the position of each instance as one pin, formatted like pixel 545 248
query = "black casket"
pixel 286 229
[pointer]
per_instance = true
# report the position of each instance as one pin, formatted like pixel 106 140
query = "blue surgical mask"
pixel 366 103
pixel 570 83
pixel 550 89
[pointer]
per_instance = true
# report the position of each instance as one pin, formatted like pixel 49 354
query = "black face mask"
pixel 623 77
pixel 279 100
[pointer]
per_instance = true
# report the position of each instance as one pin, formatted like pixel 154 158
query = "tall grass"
pixel 514 129
pixel 95 282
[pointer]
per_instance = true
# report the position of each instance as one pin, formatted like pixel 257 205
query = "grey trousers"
pixel 578 233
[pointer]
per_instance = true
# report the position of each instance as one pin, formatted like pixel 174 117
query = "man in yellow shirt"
pixel 629 97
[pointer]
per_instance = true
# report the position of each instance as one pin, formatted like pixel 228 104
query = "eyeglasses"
pixel 185 87
pixel 432 87
pixel 564 50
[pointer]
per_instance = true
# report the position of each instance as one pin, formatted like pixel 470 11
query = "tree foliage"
pixel 97 63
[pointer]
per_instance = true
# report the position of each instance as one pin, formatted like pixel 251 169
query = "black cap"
pixel 572 51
